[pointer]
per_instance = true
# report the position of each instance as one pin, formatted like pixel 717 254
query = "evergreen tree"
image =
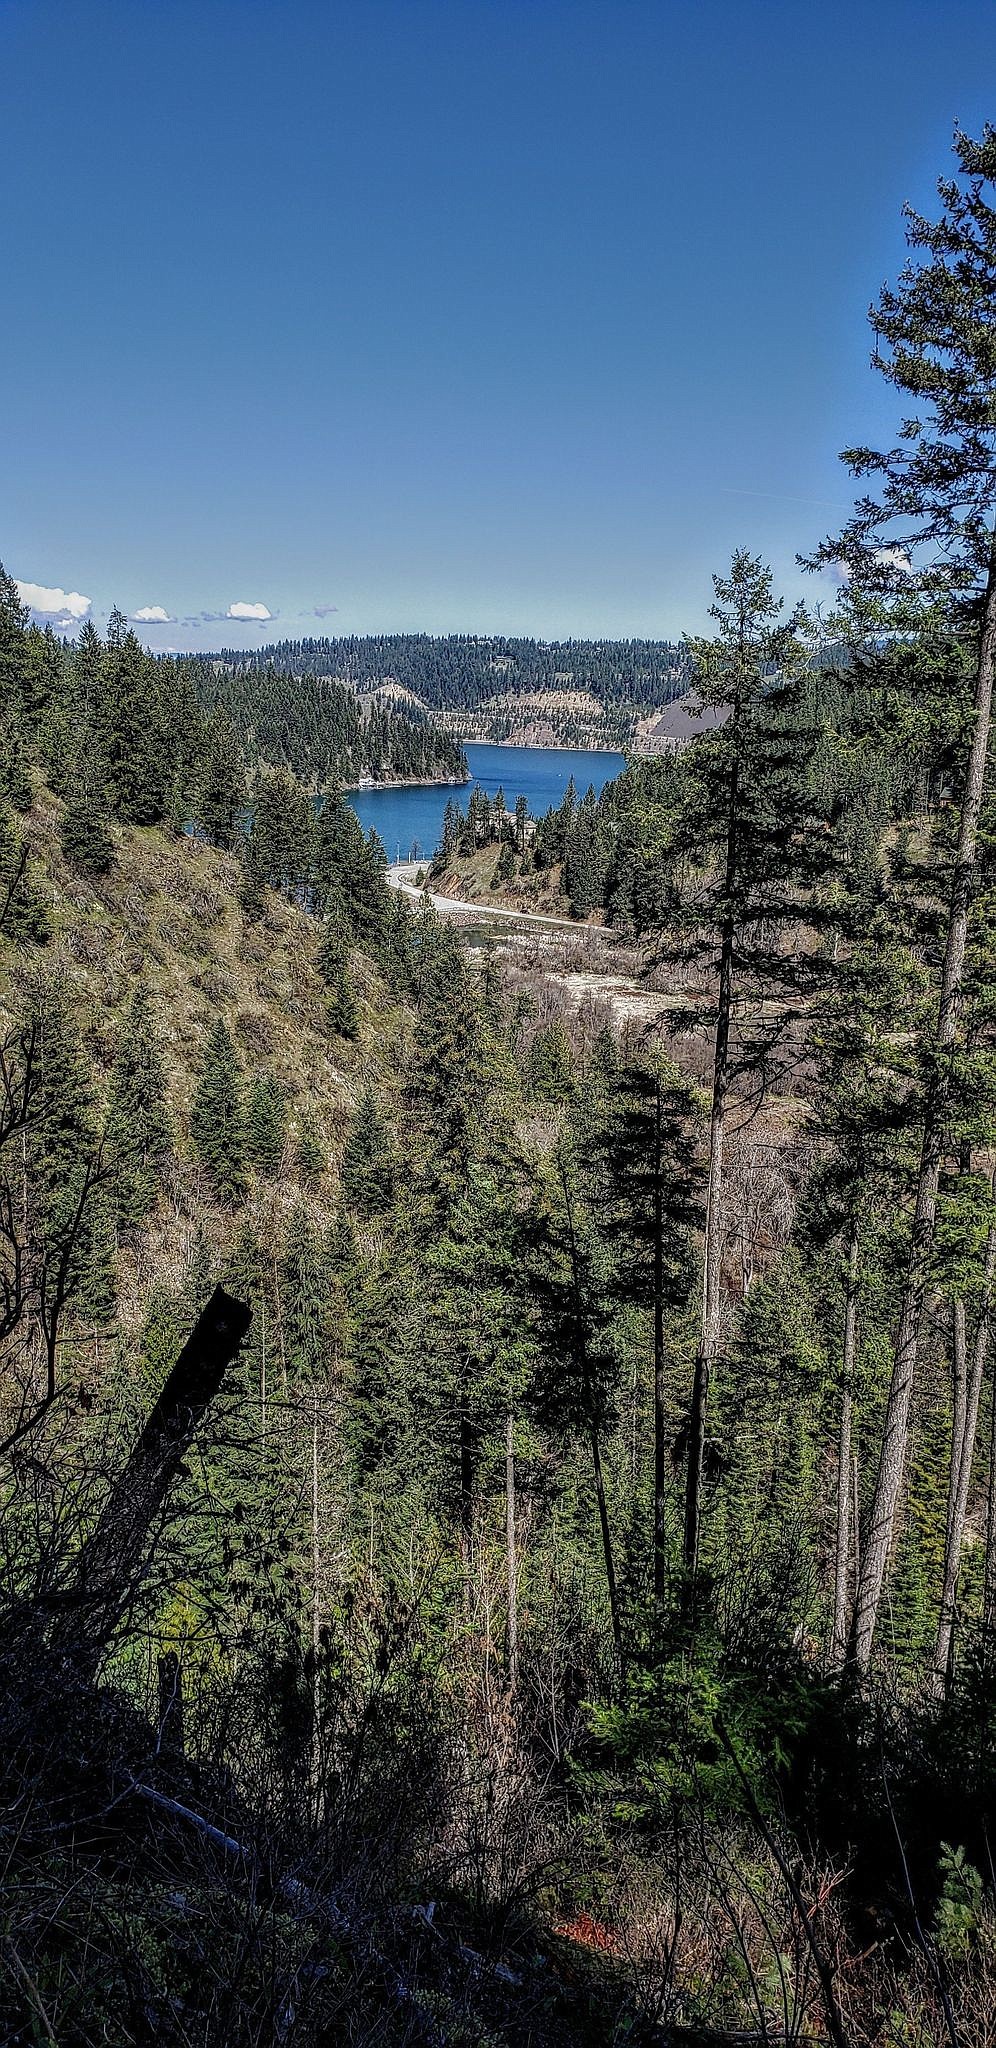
pixel 134 745
pixel 550 1066
pixel 521 819
pixel 217 1117
pixel 932 529
pixel 282 831
pixel 333 966
pixel 86 840
pixel 70 1236
pixel 139 1137
pixel 504 871
pixel 304 1300
pixel 221 793
pixel 639 1132
pixel 15 777
pixel 13 631
pixel 576 1372
pixel 23 914
pixel 265 1124
pixel 747 818
pixel 367 1163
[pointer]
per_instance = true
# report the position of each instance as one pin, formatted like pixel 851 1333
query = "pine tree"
pixel 550 1073
pixel 13 630
pixel 333 966
pixel 521 819
pixel 575 1376
pixel 134 744
pixel 265 1124
pixel 282 831
pixel 15 775
pixel 367 1163
pixel 69 1221
pixel 138 1129
pixel 504 870
pixel 217 1117
pixel 931 531
pixel 639 1133
pixel 221 791
pixel 24 917
pixel 748 818
pixel 86 840
pixel 304 1300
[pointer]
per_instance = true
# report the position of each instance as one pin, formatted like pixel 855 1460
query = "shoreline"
pixel 532 747
pixel 410 782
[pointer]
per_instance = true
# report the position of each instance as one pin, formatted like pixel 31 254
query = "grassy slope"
pixel 169 910
pixel 469 876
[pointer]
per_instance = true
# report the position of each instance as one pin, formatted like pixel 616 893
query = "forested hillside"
pixel 147 738
pixel 317 726
pixel 553 1598
pixel 565 692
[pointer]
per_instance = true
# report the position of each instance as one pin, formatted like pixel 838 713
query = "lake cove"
pixel 410 821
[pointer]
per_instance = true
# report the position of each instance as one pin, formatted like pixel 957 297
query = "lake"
pixel 410 821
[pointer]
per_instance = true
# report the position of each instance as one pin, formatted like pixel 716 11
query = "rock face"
pixel 667 731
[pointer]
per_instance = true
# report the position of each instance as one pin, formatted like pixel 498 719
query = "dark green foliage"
pixel 131 728
pixel 265 1123
pixel 318 729
pixel 311 1160
pixel 304 1299
pixel 550 1067
pixel 66 1194
pixel 139 1138
pixel 221 793
pixel 334 967
pixel 279 844
pixel 217 1116
pixel 15 778
pixel 367 1163
pixel 13 628
pixel 504 868
pixel 24 916
pixel 312 723
pixel 86 839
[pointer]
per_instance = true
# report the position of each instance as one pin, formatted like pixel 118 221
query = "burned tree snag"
pixel 109 1569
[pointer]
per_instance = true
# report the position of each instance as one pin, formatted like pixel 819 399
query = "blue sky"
pixel 448 315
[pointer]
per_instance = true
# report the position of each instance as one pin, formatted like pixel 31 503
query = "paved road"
pixel 402 876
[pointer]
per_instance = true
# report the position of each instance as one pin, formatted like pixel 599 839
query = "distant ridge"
pixel 490 686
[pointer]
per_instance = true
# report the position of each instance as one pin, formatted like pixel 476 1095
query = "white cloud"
pixel 893 558
pixel 248 611
pixel 152 615
pixel 53 603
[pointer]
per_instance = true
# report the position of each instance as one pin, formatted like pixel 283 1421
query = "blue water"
pixel 410 821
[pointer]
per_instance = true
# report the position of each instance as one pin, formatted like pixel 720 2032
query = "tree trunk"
pixel 895 1436
pixel 111 1564
pixel 262 1368
pixel 959 1406
pixel 170 1678
pixel 989 1589
pixel 709 1342
pixel 606 1533
pixel 662 1449
pixel 842 1556
pixel 591 1417
pixel 512 1563
pixel 962 1459
pixel 316 1703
